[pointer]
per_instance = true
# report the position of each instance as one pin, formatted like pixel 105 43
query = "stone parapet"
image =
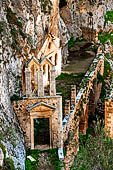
pixel 109 117
pixel 77 119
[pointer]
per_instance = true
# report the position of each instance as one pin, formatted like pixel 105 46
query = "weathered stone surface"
pixel 41 107
pixel 11 133
pixel 1 157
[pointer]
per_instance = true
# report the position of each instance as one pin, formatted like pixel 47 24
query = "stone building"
pixel 49 56
pixel 40 113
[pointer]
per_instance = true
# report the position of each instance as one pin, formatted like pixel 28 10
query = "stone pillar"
pixel 32 133
pixel 67 107
pixel 52 82
pixel 28 82
pixel 35 77
pixel 40 83
pixel 73 94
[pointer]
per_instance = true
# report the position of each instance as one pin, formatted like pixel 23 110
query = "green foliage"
pixel 14 32
pixel 24 35
pixel 46 6
pixel 65 76
pixel 64 82
pixel 8 164
pixel 71 42
pixel 108 17
pixel 15 98
pixel 1 27
pixel 17 31
pixel 53 158
pixel 94 49
pixel 101 79
pixel 107 69
pixel 12 19
pixel 107 56
pixel 32 165
pixel 103 37
pixel 3 149
pixel 95 150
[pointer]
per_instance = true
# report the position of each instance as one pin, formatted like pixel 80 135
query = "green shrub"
pixel 8 164
pixel 71 42
pixel 3 149
pixel 53 158
pixel 103 37
pixel 100 78
pixel 108 17
pixel 15 98
pixel 95 149
pixel 32 165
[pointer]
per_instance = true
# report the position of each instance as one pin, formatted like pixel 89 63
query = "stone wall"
pixel 24 115
pixel 77 119
pixel 109 117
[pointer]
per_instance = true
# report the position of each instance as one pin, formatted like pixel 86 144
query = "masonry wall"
pixel 77 119
pixel 21 110
pixel 109 117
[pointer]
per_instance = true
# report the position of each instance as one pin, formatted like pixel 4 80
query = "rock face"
pixel 11 136
pixel 89 14
pixel 24 26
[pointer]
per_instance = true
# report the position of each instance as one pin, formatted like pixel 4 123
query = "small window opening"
pixel 49 46
pixel 44 69
pixel 56 57
pixel 50 58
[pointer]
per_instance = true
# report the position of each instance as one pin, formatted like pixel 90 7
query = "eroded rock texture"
pixel 24 26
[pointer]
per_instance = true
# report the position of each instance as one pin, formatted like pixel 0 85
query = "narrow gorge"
pixel 56 84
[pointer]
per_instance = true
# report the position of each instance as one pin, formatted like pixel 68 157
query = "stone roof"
pixel 41 103
pixel 39 62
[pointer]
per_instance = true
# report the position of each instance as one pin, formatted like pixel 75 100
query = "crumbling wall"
pixel 109 117
pixel 77 119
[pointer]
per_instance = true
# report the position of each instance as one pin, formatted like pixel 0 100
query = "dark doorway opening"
pixel 41 131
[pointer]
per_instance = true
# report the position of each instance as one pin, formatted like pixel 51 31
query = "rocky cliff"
pixel 24 26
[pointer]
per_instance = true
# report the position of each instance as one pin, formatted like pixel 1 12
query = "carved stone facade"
pixel 40 105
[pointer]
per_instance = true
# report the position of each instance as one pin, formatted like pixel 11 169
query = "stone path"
pixel 80 58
